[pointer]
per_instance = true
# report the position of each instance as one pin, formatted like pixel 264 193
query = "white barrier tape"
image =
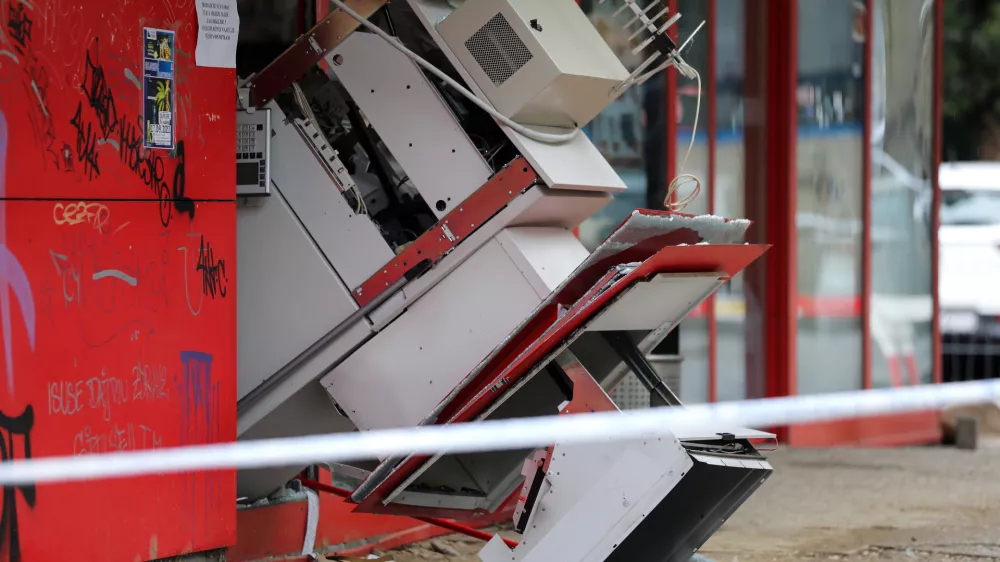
pixel 511 434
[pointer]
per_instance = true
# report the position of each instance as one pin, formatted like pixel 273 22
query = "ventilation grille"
pixel 498 50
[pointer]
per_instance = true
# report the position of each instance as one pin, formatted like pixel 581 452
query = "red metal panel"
pixel 71 89
pixel 936 206
pixel 453 228
pixel 917 428
pixel 590 292
pixel 866 207
pixel 771 138
pixel 276 531
pixel 713 118
pixel 755 196
pixel 120 338
pixel 118 317
pixel 782 290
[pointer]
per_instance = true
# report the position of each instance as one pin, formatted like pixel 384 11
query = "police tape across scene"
pixel 510 434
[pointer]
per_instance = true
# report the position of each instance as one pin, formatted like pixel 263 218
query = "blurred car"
pixel 969 242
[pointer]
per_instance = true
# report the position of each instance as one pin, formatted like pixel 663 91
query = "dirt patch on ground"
pixel 923 504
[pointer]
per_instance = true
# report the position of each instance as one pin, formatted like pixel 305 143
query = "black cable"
pixel 388 20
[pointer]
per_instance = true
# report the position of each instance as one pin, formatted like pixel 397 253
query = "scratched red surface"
pixel 117 317
pixel 70 86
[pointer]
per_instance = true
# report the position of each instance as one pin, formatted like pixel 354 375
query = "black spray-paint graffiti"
pixel 86 144
pixel 95 86
pixel 213 273
pixel 151 169
pixel 20 427
pixel 35 81
pixel 19 25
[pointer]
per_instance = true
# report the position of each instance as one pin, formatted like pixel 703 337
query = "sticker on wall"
pixel 218 32
pixel 158 88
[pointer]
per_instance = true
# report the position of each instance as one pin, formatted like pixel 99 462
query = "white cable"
pixel 549 138
pixel 514 434
pixel 684 178
pixel 312 521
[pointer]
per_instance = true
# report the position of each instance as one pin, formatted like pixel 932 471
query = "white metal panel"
pixel 546 256
pixel 710 432
pixel 351 242
pixel 648 304
pixel 450 501
pixel 572 165
pixel 420 131
pixel 308 412
pixel 399 376
pixel 596 495
pixel 537 206
pixel 562 207
pixel 288 294
pixel 576 164
pixel 569 76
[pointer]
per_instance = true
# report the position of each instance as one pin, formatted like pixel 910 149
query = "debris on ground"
pixel 930 504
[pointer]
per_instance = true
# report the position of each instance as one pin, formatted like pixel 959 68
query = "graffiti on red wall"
pixel 115 264
pixel 10 428
pixel 12 274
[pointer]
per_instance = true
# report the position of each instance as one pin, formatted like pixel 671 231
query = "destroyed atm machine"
pixel 410 181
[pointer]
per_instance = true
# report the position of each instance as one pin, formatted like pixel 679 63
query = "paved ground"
pixel 909 505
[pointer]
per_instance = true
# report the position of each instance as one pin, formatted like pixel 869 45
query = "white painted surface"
pixel 546 256
pixel 399 376
pixel 351 242
pixel 571 74
pixel 573 165
pixel 289 296
pixel 420 131
pixel 592 498
pixel 666 298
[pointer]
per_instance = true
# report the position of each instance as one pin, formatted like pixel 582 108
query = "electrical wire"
pixel 683 178
pixel 303 102
pixel 548 138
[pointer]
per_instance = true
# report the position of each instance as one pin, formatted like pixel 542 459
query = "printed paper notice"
pixel 158 88
pixel 218 32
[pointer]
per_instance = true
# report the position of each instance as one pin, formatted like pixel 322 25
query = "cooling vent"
pixel 498 50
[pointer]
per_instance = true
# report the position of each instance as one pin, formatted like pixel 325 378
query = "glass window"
pixel 830 189
pixel 694 336
pixel 728 192
pixel 631 134
pixel 902 164
pixel 627 132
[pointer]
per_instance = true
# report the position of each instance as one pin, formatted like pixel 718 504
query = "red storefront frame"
pixel 771 80
pixel 772 31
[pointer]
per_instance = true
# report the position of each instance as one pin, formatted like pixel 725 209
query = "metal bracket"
pixel 659 393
